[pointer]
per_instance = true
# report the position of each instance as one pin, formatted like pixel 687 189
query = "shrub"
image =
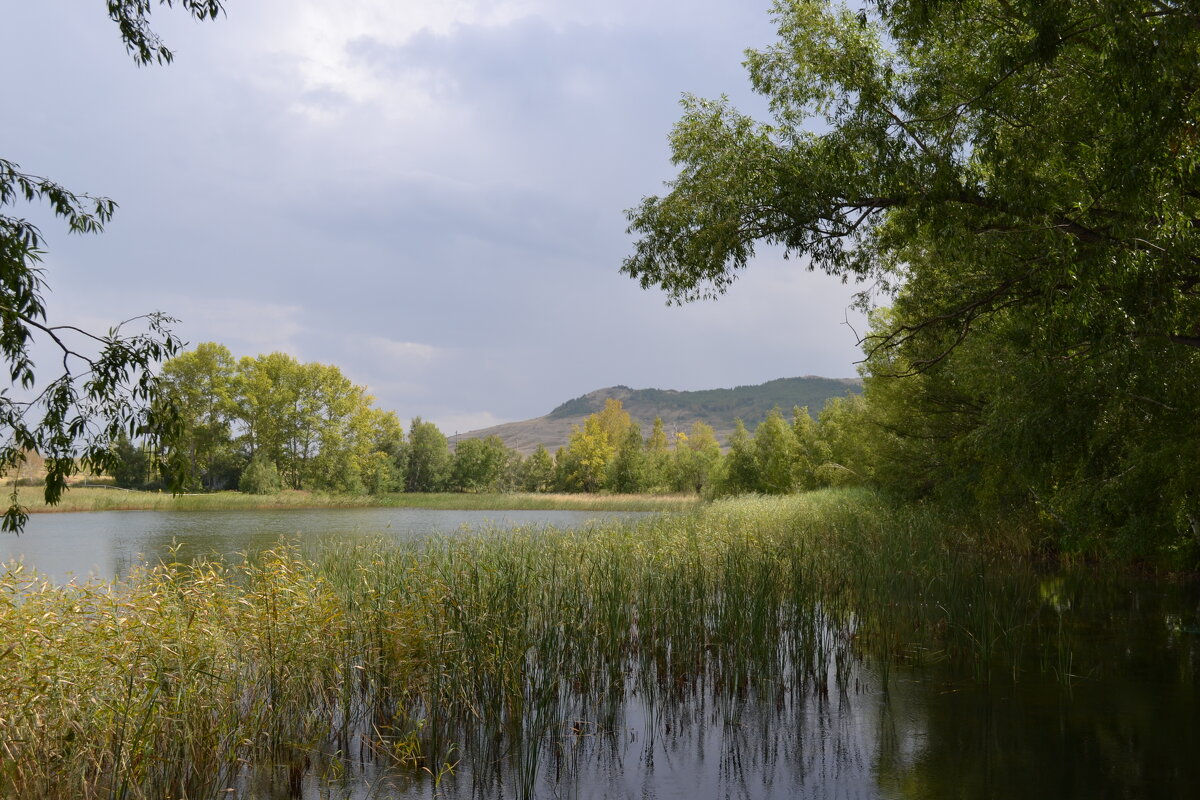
pixel 260 477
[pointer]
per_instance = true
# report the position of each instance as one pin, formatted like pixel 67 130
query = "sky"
pixel 429 195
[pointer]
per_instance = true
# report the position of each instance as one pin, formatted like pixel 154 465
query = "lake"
pixel 1109 711
pixel 108 543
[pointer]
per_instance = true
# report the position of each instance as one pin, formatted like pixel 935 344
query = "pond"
pixel 108 543
pixel 1104 706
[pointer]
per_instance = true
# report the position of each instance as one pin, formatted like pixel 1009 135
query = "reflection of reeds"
pixel 112 499
pixel 503 650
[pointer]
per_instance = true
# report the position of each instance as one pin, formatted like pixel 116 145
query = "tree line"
pixel 266 423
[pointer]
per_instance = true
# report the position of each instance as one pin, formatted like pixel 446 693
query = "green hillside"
pixel 717 407
pixel 678 410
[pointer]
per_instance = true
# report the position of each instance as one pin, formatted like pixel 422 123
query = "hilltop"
pixel 678 409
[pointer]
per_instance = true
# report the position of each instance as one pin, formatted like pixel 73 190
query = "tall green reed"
pixel 496 652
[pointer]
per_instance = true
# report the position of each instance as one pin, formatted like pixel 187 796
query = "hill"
pixel 678 410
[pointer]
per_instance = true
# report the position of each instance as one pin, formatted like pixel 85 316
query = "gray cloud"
pixel 480 218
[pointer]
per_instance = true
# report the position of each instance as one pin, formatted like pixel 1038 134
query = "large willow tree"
pixel 1019 178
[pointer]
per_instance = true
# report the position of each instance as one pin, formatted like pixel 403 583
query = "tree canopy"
pixel 1018 180
pixel 988 154
pixel 102 384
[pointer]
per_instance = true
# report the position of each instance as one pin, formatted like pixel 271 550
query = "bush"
pixel 260 477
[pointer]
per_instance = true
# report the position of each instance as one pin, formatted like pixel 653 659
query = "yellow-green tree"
pixel 658 456
pixel 614 420
pixel 200 385
pixel 588 454
pixel 811 451
pixel 774 454
pixel 697 456
pixel 850 441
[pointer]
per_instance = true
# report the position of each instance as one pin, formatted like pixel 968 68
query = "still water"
pixel 107 543
pixel 1113 712
pixel 1123 721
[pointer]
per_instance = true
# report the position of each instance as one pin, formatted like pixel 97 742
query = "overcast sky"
pixel 429 195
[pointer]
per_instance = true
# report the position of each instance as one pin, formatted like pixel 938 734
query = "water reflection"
pixel 1124 726
pixel 1107 709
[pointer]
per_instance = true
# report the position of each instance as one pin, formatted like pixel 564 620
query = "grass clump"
pixel 188 680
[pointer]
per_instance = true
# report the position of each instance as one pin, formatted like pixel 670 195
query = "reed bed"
pixel 112 499
pixel 485 654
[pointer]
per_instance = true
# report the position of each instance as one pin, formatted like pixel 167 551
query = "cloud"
pixel 393 353
pixel 246 327
pixel 307 40
pixel 428 195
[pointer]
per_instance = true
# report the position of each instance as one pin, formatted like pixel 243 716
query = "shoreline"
pixel 83 499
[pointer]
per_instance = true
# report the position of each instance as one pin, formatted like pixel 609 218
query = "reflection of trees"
pixel 1126 728
pixel 1119 729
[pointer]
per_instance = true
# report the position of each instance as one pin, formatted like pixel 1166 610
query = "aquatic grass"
pixel 486 659
pixel 163 684
pixel 92 498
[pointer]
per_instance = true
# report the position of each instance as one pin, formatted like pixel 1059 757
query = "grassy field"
pixel 189 680
pixel 111 499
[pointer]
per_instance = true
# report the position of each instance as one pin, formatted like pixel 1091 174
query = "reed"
pixel 112 499
pixel 485 655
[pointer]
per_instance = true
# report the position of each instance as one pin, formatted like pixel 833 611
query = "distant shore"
pixel 112 499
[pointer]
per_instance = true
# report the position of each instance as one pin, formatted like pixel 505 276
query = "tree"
pixel 775 453
pixel 991 153
pixel 587 457
pixel 478 465
pixel 315 426
pixel 199 385
pixel 428 457
pixel 741 467
pixel 537 471
pixel 104 387
pixel 629 471
pixel 131 466
pixel 658 456
pixel 1021 177
pixel 809 451
pixel 614 420
pixel 266 392
pixel 697 456
pixel 849 439
pixel 260 477
pixel 378 448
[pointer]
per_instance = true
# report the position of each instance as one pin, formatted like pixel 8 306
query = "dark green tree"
pixel 992 154
pixel 478 465
pixel 629 471
pixel 537 471
pixel 131 464
pixel 741 467
pixel 428 458
pixel 1021 177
